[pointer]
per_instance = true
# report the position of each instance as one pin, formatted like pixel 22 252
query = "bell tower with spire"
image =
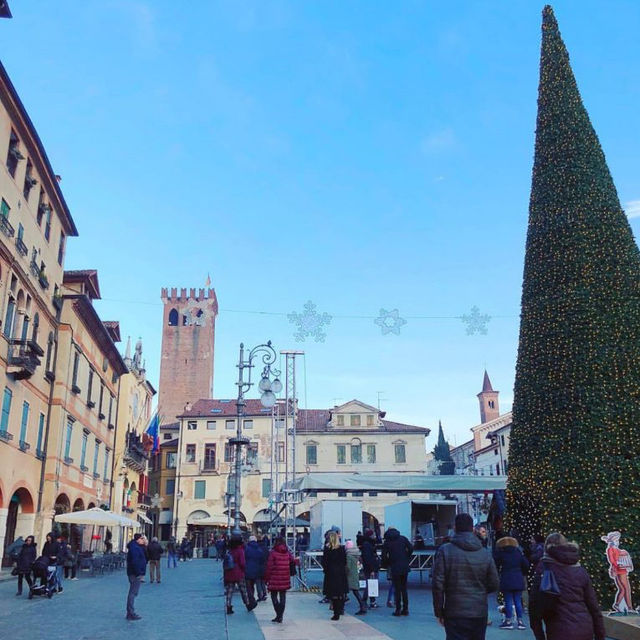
pixel 488 398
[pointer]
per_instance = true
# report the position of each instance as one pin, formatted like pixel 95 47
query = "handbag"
pixel 549 591
pixel 292 567
pixel 14 571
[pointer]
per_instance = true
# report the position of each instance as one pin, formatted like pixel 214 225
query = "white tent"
pixel 96 517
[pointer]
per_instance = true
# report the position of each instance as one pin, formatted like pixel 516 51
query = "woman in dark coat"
pixel 577 613
pixel 278 576
pixel 512 567
pixel 334 564
pixel 370 563
pixel 26 558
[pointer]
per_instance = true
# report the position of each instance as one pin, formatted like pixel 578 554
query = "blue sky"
pixel 361 155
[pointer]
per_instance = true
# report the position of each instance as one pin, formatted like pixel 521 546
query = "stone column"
pixel 3 530
pixel 25 525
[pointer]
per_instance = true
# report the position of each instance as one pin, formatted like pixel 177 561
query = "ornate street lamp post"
pixel 269 388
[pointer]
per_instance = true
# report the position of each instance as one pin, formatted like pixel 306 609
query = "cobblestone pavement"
pixel 189 598
pixel 189 603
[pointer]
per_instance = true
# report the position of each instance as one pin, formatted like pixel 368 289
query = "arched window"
pixel 50 343
pixel 8 318
pixel 36 326
pixel 173 318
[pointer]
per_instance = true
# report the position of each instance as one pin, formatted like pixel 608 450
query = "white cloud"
pixel 439 141
pixel 632 209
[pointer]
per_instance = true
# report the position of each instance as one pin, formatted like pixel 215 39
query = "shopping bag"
pixel 372 588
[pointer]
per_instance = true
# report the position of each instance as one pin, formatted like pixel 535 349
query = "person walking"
pixel 220 548
pixel 334 564
pixel 70 564
pixel 234 567
pixel 184 549
pixel 277 575
pixel 464 573
pixel 512 567
pixel 396 552
pixel 26 557
pixel 353 575
pixel 136 570
pixel 261 587
pixel 172 553
pixel 256 562
pixel 575 612
pixel 62 557
pixel 154 553
pixel 50 550
pixel 370 564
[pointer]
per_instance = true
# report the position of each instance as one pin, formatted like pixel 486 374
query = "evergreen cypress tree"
pixel 574 459
pixel 442 454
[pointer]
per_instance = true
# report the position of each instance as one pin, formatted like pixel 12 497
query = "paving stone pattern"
pixel 189 603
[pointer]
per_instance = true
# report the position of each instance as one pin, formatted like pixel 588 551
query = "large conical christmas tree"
pixel 574 459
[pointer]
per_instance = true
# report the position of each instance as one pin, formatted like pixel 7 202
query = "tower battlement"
pixel 196 295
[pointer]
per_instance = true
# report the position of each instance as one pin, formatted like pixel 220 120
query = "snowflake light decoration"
pixel 310 323
pixel 476 322
pixel 390 322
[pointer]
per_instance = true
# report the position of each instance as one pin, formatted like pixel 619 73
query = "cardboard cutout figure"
pixel 620 566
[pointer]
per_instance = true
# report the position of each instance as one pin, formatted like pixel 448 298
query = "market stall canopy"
pixel 381 482
pixel 97 517
pixel 269 517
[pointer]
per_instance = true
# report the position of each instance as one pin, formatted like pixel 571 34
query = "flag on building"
pixel 152 435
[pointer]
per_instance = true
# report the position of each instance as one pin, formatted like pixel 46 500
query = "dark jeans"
pixel 251 590
pixel 134 587
pixel 360 599
pixel 279 600
pixel 27 577
pixel 400 587
pixel 465 628
pixel 71 569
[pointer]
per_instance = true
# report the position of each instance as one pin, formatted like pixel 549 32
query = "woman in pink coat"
pixel 278 576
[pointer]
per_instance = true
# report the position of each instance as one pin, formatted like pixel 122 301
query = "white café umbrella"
pixel 96 517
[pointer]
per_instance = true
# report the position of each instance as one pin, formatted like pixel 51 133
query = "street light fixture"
pixel 268 399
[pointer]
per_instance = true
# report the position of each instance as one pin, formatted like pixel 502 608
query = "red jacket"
pixel 277 572
pixel 237 573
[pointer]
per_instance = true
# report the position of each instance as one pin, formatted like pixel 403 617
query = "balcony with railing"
pixel 21 246
pixel 5 227
pixel 135 454
pixel 24 358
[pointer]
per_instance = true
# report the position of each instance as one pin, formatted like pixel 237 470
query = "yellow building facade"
pixel 351 438
pixel 35 223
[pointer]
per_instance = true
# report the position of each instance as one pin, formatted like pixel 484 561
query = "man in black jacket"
pixel 396 552
pixel 463 574
pixel 154 553
pixel 136 568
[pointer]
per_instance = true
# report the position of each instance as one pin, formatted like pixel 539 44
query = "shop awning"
pixel 211 521
pixel 143 518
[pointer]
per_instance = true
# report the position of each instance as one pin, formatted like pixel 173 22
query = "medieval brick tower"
pixel 186 365
pixel 488 398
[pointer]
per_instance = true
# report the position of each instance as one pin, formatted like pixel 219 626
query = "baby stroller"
pixel 44 578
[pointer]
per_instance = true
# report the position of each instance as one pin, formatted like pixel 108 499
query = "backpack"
pixel 228 562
